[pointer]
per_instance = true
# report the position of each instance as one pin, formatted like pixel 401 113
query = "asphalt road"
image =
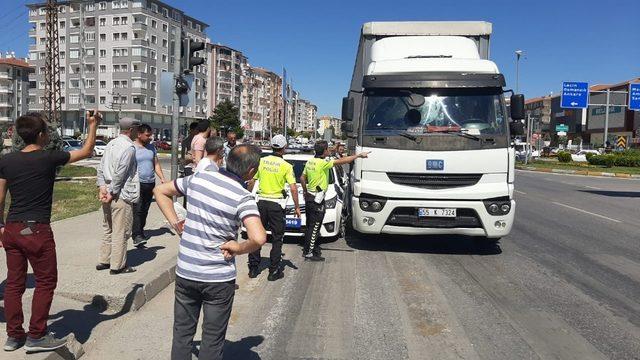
pixel 564 285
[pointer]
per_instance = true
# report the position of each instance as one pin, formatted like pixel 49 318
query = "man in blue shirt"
pixel 148 167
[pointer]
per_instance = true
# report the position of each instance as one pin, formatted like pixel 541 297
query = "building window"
pixel 103 53
pixel 74 99
pixel 74 39
pixel 153 101
pixel 164 58
pixel 154 24
pixel 74 54
pixel 63 25
pixel 165 12
pixel 116 36
pixel 103 100
pixel 90 52
pixel 124 20
pixel 90 36
pixel 115 21
pixel 123 36
pixel 103 84
pixel 103 22
pixel 90 7
pixel 154 8
pixel 89 83
pixel 103 37
pixel 103 5
pixel 165 28
pixel 154 39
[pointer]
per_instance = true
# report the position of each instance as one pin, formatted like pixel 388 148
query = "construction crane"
pixel 52 92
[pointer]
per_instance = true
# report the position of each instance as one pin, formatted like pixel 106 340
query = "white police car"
pixel 333 225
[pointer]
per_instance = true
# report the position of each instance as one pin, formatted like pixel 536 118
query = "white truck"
pixel 430 106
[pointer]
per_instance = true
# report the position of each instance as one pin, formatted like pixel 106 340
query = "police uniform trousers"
pixel 273 219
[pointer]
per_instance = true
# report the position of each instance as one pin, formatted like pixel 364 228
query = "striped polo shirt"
pixel 216 205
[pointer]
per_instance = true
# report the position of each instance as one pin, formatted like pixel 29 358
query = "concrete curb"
pixel 134 297
pixel 578 172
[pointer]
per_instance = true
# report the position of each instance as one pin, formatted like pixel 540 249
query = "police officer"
pixel 273 173
pixel 315 181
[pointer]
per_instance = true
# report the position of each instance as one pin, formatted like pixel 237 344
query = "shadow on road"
pixel 240 349
pixel 622 194
pixel 158 232
pixel 284 263
pixel 82 322
pixel 139 256
pixel 434 244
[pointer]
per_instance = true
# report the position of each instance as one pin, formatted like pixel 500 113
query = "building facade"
pixel 112 54
pixel 14 87
pixel 226 72
pixel 305 115
pixel 622 121
pixel 261 100
pixel 325 122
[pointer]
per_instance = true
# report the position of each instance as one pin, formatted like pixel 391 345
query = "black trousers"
pixel 315 215
pixel 215 300
pixel 141 209
pixel 273 218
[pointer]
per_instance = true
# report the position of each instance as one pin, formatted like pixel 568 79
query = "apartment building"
pixel 305 116
pixel 14 87
pixel 226 70
pixel 325 122
pixel 112 54
pixel 261 105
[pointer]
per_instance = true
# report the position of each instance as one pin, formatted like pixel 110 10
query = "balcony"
pixel 141 42
pixel 5 104
pixel 6 89
pixel 4 75
pixel 4 118
pixel 139 26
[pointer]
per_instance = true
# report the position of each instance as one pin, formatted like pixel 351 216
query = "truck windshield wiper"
pixel 410 137
pixel 461 132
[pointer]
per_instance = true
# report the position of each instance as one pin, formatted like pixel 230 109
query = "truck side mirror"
pixel 517 107
pixel 347 109
pixel 516 128
pixel 347 126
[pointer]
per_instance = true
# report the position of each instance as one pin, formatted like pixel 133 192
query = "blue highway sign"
pixel 634 97
pixel 575 95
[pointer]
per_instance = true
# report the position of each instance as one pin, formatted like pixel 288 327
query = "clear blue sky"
pixel 588 40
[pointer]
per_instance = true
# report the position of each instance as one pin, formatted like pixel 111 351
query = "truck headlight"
pixel 498 206
pixel 331 203
pixel 372 204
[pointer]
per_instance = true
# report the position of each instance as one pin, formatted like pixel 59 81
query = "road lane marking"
pixel 592 187
pixel 587 212
pixel 520 192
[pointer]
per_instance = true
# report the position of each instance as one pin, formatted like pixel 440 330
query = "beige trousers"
pixel 118 218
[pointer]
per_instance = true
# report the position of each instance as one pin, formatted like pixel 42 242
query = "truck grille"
pixel 435 181
pixel 408 216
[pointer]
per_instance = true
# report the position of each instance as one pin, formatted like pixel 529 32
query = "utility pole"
pixel 52 95
pixel 518 55
pixel 606 117
pixel 82 83
pixel 175 119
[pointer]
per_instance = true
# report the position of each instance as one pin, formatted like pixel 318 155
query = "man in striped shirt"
pixel 217 204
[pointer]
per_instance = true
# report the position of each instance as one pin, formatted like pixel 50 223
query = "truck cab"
pixel 430 106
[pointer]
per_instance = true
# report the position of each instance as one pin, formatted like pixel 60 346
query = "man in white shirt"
pixel 214 149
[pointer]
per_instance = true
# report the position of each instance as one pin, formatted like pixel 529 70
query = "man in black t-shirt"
pixel 29 176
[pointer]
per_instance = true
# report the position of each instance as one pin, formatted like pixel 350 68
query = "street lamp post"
pixel 519 53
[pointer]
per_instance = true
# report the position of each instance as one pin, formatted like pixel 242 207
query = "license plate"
pixel 435 164
pixel 293 223
pixel 425 212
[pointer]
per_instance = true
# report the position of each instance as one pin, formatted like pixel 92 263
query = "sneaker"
pixel 275 275
pixel 306 255
pixel 45 343
pixel 14 344
pixel 253 273
pixel 124 270
pixel 139 241
pixel 316 258
pixel 102 266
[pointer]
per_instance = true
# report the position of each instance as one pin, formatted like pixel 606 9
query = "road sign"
pixel 562 128
pixel 575 95
pixel 621 142
pixel 634 97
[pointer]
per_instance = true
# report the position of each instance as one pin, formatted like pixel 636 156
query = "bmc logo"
pixel 435 164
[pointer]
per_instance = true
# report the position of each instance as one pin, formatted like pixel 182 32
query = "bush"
pixel 629 158
pixel 589 155
pixel 564 156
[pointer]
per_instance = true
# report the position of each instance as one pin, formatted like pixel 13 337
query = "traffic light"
pixel 189 59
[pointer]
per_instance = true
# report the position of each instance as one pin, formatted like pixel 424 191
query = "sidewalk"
pixel 578 172
pixel 87 299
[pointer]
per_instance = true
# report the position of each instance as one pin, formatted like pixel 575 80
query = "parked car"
pixel 581 156
pixel 98 150
pixel 333 224
pixel 71 145
pixel 162 145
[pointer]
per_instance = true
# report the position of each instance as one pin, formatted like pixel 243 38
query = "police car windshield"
pixel 298 168
pixel 474 111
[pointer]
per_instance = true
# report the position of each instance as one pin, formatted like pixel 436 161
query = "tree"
pixel 55 141
pixel 291 132
pixel 227 115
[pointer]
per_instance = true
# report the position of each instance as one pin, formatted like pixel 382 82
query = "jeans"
pixel 273 218
pixel 216 300
pixel 141 209
pixel 315 216
pixel 39 249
